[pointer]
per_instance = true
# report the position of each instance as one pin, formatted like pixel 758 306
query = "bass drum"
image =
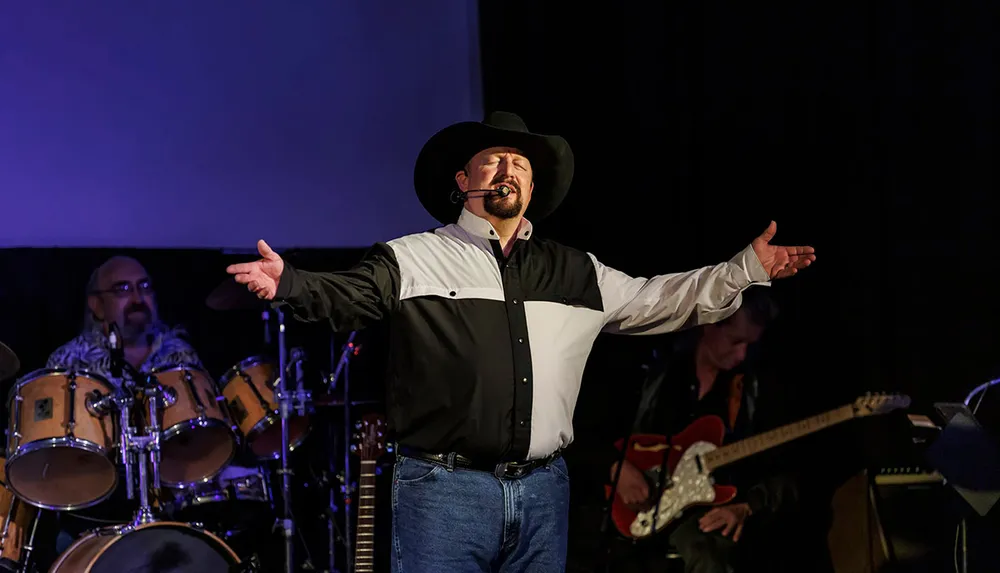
pixel 157 546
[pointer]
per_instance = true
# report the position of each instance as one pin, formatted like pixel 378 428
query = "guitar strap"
pixel 735 399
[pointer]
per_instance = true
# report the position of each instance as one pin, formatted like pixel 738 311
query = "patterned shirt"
pixel 91 351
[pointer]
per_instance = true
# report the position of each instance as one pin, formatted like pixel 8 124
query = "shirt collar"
pixel 479 227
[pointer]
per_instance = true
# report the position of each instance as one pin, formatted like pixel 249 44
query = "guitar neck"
pixel 761 442
pixel 364 545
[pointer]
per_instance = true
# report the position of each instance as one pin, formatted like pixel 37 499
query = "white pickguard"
pixel 689 487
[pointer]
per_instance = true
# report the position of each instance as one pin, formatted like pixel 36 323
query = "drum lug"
pixel 189 381
pixel 71 423
pixel 15 436
pixel 253 388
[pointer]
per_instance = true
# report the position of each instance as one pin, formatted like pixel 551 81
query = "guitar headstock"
pixel 369 437
pixel 874 404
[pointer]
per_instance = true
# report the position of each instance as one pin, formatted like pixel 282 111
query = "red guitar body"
pixel 646 451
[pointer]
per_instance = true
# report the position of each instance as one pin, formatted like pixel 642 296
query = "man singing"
pixel 490 329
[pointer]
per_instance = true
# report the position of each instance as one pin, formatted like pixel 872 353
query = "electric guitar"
pixel 697 451
pixel 370 446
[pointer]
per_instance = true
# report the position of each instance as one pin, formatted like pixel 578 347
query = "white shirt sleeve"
pixel 671 302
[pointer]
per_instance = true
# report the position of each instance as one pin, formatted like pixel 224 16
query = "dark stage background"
pixel 865 131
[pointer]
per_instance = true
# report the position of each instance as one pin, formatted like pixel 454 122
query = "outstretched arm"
pixel 666 303
pixel 349 300
pixel 671 302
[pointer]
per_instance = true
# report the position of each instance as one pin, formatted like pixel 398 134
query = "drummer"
pixel 120 291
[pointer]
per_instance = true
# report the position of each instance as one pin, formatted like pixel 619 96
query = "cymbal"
pixel 9 364
pixel 231 295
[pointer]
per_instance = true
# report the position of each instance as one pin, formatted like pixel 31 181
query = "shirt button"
pixel 523 423
pixel 524 380
pixel 520 341
pixel 514 301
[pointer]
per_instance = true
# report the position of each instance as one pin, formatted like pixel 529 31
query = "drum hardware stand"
pixel 287 401
pixel 134 446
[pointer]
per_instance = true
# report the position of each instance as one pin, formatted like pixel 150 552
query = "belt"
pixel 511 470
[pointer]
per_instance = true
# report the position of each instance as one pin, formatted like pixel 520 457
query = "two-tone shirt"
pixel 486 351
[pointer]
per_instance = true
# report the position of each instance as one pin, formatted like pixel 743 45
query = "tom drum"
pixel 198 440
pixel 58 447
pixel 249 389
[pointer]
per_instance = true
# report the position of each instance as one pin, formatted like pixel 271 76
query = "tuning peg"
pixel 388 448
pixel 354 447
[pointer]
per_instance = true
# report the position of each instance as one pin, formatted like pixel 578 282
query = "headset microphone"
pixel 460 197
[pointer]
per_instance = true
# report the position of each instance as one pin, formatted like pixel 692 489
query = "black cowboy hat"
pixel 447 152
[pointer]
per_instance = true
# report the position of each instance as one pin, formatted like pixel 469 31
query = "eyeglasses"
pixel 125 288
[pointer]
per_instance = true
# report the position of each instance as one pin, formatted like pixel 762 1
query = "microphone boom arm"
pixel 458 196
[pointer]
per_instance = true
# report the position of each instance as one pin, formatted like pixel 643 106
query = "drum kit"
pixel 169 438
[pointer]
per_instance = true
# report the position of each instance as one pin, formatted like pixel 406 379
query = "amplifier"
pixel 895 518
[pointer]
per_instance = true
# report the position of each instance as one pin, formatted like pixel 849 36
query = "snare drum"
pixel 198 440
pixel 239 499
pixel 248 389
pixel 59 447
pixel 163 545
pixel 18 520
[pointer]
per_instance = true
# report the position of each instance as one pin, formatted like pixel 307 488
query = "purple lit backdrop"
pixel 212 124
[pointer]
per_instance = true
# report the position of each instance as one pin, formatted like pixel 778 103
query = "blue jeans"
pixel 448 519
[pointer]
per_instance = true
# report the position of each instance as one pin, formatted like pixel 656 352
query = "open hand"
pixel 260 276
pixel 730 517
pixel 781 262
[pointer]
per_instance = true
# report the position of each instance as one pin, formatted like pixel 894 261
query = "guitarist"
pixel 705 373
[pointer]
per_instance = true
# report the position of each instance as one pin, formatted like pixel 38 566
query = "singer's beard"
pixel 501 207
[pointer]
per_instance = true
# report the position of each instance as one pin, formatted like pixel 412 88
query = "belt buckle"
pixel 513 470
pixel 501 470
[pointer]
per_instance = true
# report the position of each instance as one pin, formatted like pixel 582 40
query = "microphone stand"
pixel 287 524
pixel 343 367
pixel 663 479
pixel 288 401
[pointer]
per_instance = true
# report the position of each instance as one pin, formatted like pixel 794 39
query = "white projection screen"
pixel 212 123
